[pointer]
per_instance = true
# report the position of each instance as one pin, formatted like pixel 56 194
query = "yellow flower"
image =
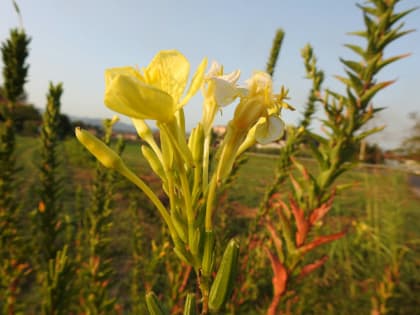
pixel 156 92
pixel 219 90
pixel 259 101
pixel 256 116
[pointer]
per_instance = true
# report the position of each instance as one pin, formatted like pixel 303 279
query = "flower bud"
pixel 104 154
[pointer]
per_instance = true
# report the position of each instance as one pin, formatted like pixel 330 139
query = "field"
pixel 380 211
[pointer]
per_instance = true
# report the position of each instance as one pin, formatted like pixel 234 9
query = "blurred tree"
pixel 25 113
pixel 411 144
pixel 65 127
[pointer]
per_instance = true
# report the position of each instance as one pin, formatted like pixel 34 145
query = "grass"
pixel 380 209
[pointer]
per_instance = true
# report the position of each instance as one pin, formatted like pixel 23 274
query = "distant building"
pixel 219 130
pixel 128 136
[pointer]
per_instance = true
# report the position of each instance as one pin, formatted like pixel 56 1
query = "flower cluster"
pixel 159 93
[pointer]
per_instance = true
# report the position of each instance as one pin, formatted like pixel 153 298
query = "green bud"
pixel 195 143
pixel 222 286
pixel 104 154
pixel 190 307
pixel 167 151
pixel 153 305
pixel 208 254
pixel 153 161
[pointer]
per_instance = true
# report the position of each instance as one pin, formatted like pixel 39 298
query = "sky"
pixel 75 41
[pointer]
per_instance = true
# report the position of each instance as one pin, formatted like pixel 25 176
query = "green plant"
pixel 13 267
pixel 96 225
pixel 313 192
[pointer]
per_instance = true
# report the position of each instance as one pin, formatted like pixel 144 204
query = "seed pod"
pixel 153 305
pixel 222 286
pixel 208 254
pixel 190 307
pixel 196 246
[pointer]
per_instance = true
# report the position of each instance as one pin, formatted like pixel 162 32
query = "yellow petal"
pixel 129 96
pixel 260 82
pixel 196 82
pixel 248 112
pixel 249 140
pixel 111 73
pixel 269 130
pixel 215 70
pixel 169 72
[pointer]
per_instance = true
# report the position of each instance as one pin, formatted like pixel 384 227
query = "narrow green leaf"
pixel 367 96
pixel 356 49
pixel 356 67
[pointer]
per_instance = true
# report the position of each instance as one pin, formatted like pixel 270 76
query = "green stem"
pixel 150 194
pixel 188 204
pixel 197 183
pixel 179 145
pixel 206 155
pixel 211 196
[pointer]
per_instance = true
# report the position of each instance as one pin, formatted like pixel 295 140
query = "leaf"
pixel 301 168
pixel 356 67
pixel 301 224
pixel 320 240
pixel 358 33
pixel 278 244
pixel 367 9
pixel 344 80
pixel 356 82
pixel 15 5
pixel 322 210
pixel 391 60
pixel 280 274
pixel 298 191
pixel 356 49
pixel 370 93
pixel 313 266
pixel 398 16
pixel 391 36
pixel 370 25
pixel 369 132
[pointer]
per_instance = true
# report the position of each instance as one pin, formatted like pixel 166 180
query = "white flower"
pixel 225 89
pixel 269 130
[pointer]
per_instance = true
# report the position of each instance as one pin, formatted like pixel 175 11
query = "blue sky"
pixel 74 41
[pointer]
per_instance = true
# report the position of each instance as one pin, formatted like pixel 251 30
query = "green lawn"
pixel 380 209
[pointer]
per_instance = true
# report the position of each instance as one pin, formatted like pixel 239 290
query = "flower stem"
pixel 211 196
pixel 150 194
